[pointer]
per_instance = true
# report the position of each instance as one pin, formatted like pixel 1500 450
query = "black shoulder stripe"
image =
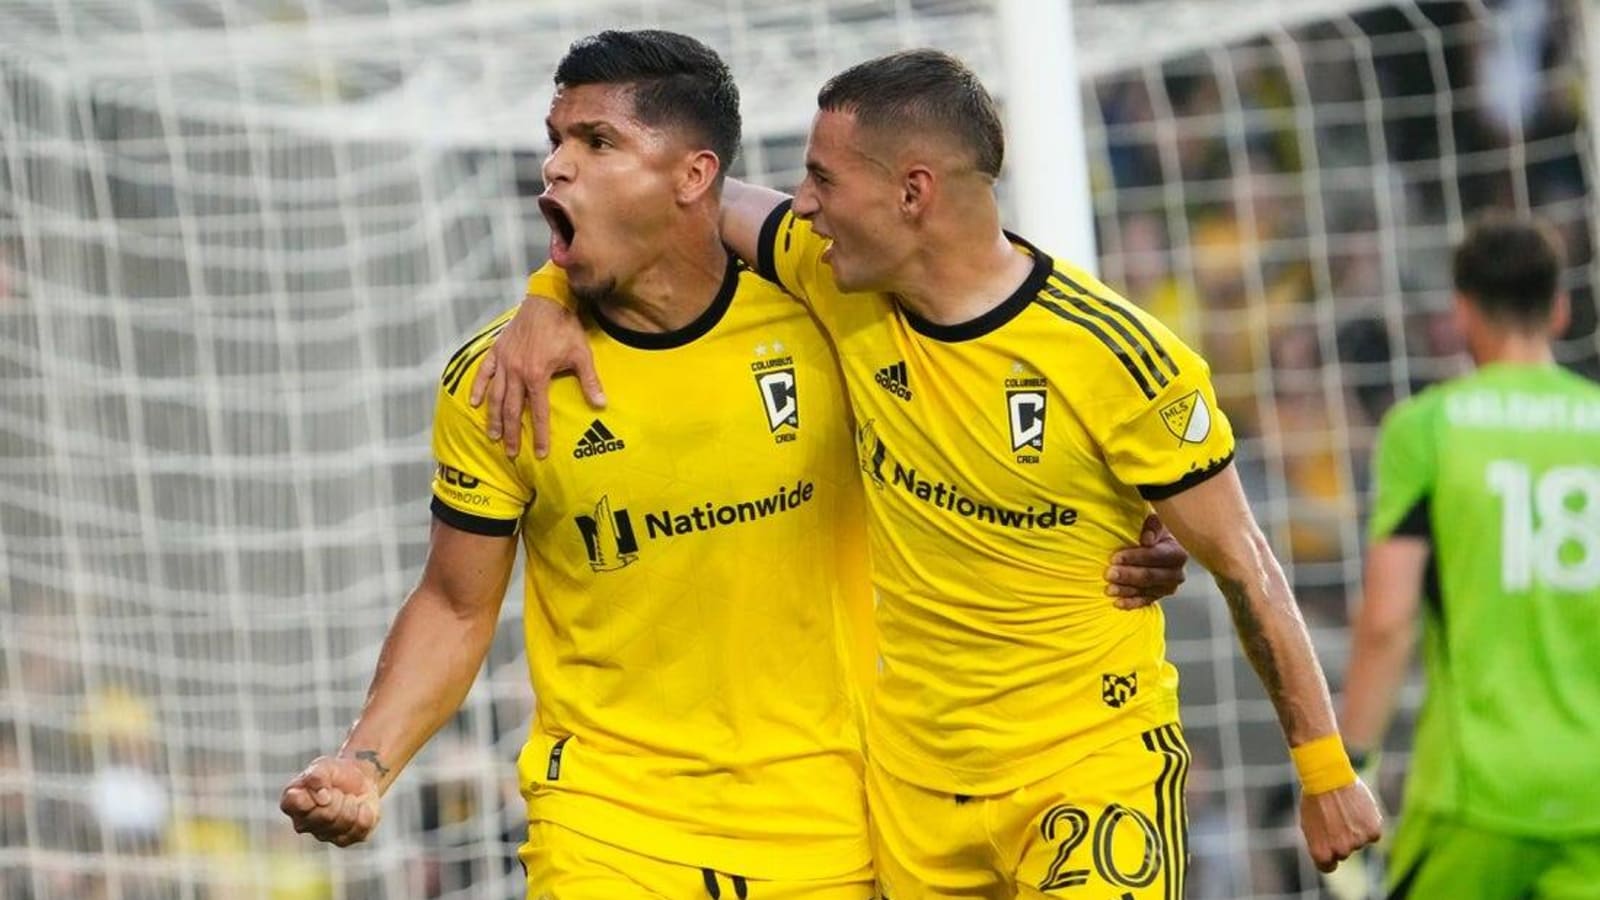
pixel 1123 314
pixel 469 353
pixel 1122 354
pixel 491 328
pixel 1082 306
pixel 454 380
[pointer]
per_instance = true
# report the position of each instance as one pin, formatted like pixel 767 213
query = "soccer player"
pixel 1016 421
pixel 697 598
pixel 1486 526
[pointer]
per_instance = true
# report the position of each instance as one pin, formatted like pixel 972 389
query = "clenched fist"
pixel 1338 823
pixel 335 799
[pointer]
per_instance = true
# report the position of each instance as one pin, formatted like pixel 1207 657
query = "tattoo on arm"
pixel 1253 637
pixel 371 756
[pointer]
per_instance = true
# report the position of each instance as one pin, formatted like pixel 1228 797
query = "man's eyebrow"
pixel 583 128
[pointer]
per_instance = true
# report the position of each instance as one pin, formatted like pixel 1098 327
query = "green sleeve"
pixel 1404 468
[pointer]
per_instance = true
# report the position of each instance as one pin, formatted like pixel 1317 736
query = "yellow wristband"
pixel 1323 765
pixel 550 281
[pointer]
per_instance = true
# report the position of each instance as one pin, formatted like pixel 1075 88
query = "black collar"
pixel 667 340
pixel 1001 314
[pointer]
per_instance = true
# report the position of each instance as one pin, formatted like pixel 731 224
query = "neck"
pixel 963 267
pixel 1516 348
pixel 674 289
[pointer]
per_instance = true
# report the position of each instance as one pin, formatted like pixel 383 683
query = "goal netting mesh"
pixel 239 237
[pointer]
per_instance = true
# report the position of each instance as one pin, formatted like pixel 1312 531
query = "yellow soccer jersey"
pixel 696 585
pixel 1006 460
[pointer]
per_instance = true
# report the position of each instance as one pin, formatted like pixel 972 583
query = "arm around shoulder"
pixel 745 210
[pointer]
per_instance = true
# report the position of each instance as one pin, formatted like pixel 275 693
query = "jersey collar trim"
pixel 702 324
pixel 998 316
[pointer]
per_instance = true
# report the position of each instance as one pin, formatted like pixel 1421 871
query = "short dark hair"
pixel 676 80
pixel 1509 267
pixel 919 90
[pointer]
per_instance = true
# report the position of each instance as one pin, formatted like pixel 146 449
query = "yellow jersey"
pixel 697 597
pixel 1006 460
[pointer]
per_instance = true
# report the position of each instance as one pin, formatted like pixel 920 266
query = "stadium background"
pixel 238 238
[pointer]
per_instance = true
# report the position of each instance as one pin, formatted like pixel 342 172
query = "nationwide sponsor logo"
pixel 597 439
pixel 709 515
pixel 612 543
pixel 1188 418
pixel 893 378
pixel 1117 690
pixel 608 537
pixel 887 473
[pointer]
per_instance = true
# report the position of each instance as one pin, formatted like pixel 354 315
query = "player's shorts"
pixel 1112 825
pixel 1437 856
pixel 564 865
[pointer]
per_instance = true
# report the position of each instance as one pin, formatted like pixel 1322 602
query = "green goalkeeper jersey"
pixel 1500 472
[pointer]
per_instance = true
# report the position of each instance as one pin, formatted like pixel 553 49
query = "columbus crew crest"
pixel 780 395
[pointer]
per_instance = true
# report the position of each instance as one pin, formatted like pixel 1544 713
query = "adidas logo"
pixel 597 439
pixel 892 378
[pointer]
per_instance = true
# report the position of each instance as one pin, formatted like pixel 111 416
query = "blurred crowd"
pixel 1289 210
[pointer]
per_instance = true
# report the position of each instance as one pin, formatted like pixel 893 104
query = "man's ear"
pixel 917 187
pixel 698 175
pixel 1560 315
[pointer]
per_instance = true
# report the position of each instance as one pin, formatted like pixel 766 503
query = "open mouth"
pixel 562 231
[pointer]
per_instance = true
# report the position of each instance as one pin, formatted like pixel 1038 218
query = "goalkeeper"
pixel 1486 527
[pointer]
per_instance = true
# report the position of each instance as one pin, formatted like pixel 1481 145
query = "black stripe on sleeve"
pixel 1122 355
pixel 1122 313
pixel 1083 307
pixel 472 524
pixel 1163 491
pixel 461 370
pixel 766 244
pixel 1417 521
pixel 460 359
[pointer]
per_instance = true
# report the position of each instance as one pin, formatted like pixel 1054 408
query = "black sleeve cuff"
pixel 467 522
pixel 766 263
pixel 1417 523
pixel 1163 491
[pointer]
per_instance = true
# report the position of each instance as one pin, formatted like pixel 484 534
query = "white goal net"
pixel 238 239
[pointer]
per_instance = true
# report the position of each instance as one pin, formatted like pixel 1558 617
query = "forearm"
pixel 427 665
pixel 1379 659
pixel 745 208
pixel 1276 642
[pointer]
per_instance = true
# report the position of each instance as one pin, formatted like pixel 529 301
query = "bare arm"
pixel 435 647
pixel 1384 634
pixel 429 660
pixel 745 208
pixel 1213 520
